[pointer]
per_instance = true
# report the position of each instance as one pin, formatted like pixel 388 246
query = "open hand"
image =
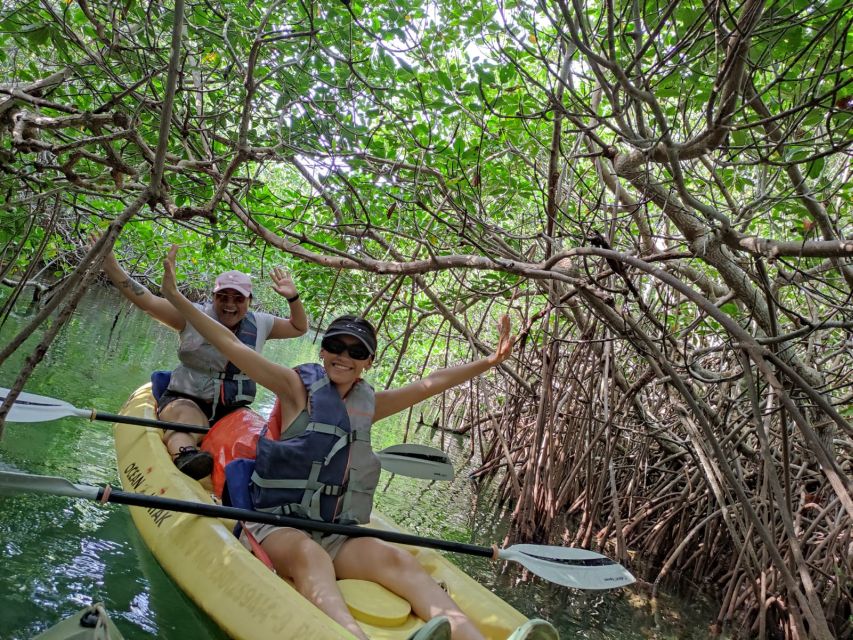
pixel 169 289
pixel 109 256
pixel 505 342
pixel 282 283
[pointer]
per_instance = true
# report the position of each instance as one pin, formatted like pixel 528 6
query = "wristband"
pixel 293 299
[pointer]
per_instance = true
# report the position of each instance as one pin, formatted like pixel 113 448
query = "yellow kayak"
pixel 245 598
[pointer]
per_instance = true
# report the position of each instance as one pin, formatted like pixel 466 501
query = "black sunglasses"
pixel 355 351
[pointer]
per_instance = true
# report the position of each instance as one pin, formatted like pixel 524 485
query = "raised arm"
pixel 394 400
pixel 297 324
pixel 158 308
pixel 282 381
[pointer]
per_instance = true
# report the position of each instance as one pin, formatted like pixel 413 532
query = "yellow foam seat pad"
pixel 374 604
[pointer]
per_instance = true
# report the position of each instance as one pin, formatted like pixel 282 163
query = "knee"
pixel 305 556
pixel 399 560
pixel 183 410
pixel 307 548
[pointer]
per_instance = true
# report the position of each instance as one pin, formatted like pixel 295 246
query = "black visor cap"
pixel 355 327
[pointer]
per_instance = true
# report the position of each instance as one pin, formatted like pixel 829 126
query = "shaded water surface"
pixel 56 554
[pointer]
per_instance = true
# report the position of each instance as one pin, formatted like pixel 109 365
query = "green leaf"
pixel 421 131
pixel 816 168
pixel 444 79
pixel 37 34
pixel 739 138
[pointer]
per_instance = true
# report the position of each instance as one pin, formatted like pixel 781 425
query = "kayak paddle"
pixel 412 460
pixel 577 568
pixel 28 407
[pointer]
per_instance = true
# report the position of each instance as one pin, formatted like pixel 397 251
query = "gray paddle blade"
pixel 29 407
pixel 417 461
pixel 576 568
pixel 14 483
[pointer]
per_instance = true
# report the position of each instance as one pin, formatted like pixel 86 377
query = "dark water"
pixel 57 554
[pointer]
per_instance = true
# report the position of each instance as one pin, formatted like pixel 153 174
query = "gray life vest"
pixel 206 374
pixel 324 469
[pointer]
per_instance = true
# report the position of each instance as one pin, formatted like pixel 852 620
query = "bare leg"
pixel 187 412
pixel 396 570
pixel 296 556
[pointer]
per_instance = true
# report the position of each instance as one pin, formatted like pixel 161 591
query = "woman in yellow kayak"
pixel 347 350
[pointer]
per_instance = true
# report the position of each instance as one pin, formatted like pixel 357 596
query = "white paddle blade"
pixel 29 407
pixel 14 483
pixel 576 568
pixel 417 461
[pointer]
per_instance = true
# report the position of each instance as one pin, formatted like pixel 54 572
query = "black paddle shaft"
pixel 144 422
pixel 232 513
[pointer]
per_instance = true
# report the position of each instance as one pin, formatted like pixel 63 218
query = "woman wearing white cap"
pixel 205 386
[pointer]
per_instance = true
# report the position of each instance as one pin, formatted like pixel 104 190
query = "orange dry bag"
pixel 234 436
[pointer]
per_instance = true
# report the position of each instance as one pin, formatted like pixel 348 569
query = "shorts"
pixel 205 406
pixel 332 543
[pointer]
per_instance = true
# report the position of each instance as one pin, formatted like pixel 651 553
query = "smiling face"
pixel 344 370
pixel 230 307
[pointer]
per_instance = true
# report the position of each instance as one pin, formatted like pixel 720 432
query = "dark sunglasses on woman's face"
pixel 355 351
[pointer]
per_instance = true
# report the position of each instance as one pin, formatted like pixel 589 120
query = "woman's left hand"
pixel 505 342
pixel 169 288
pixel 282 283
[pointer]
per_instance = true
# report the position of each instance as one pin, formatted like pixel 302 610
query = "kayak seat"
pixel 374 604
pixel 159 383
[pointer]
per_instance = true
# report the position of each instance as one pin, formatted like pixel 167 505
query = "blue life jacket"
pixel 326 471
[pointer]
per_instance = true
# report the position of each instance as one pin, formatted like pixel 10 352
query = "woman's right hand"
pixel 110 260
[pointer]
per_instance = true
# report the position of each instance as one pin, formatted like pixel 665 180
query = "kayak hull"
pixel 245 598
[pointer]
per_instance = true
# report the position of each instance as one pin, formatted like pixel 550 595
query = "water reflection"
pixel 140 612
pixel 58 554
